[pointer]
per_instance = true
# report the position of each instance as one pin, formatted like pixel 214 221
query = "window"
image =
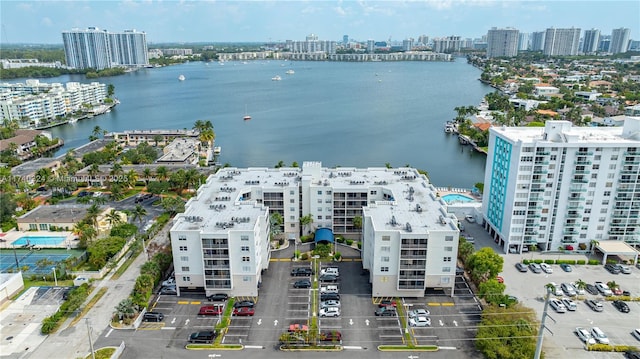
pixel 385 249
pixel 384 269
pixel 182 237
pixel 384 259
pixel 327 217
pixel 185 269
pixel 292 192
pixel 183 248
pixel 32 226
pixel 292 200
pixel 319 193
pixel 448 249
pixel 319 217
pixel 244 238
pixel 246 259
pixel 319 200
pixel 388 238
pixel 446 269
pixel 292 209
pixel 246 268
pixel 607 193
pixel 44 226
pixel 448 238
pixel 373 193
pixel 244 248
pixel 246 278
pixel 184 258
pixel 447 259
pixel 186 279
pixel 292 218
pixel 445 280
pixel 319 209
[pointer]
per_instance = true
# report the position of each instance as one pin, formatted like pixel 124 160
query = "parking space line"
pixel 183 302
pixel 433 304
pixel 448 304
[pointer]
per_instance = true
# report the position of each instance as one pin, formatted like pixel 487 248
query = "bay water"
pixel 340 113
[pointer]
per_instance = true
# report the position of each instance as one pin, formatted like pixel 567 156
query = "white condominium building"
pixel 502 42
pixel 619 40
pixel 409 241
pixel 561 42
pixel 562 186
pixel 100 49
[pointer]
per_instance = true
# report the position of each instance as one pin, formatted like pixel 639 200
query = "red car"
pixel 331 336
pixel 387 303
pixel 211 310
pixel 298 328
pixel 500 279
pixel 244 312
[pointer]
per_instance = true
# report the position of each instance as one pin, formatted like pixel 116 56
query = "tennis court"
pixel 35 261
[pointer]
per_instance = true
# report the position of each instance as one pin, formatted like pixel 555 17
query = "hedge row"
pixel 562 261
pixel 610 348
pixel 76 297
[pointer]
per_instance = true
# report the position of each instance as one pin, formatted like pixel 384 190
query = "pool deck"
pixel 6 238
pixel 443 191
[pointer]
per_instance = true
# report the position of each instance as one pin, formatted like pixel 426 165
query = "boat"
pixel 72 121
pixel 276 78
pixel 450 127
pixel 217 150
pixel 290 72
pixel 181 78
pixel 246 117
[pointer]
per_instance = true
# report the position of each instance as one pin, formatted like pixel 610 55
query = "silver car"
pixel 568 289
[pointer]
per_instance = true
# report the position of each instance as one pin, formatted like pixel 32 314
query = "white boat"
pixel 276 78
pixel 217 150
pixel 181 78
pixel 72 121
pixel 290 72
pixel 246 117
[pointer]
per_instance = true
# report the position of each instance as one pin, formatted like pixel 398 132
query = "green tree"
pixel 110 90
pixel 157 138
pixel 465 250
pixel 113 218
pixel 172 205
pixel 507 333
pixel 491 291
pixel 305 221
pixel 276 222
pixel 138 213
pixel 126 310
pixel 7 207
pixel 484 264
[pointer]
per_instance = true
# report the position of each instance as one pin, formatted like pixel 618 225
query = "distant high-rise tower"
pixel 502 42
pixel 590 42
pixel 537 41
pixel 619 40
pixel 423 40
pixel 100 49
pixel 345 39
pixel 523 42
pixel 559 42
pixel 371 46
pixel 407 44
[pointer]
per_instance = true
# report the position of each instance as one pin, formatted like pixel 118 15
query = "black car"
pixel 84 194
pixel 328 278
pixel 153 317
pixel 305 283
pixel 244 304
pixel 621 306
pixel 66 292
pixel 329 296
pixel 612 268
pixel 459 270
pixel 385 312
pixel 632 355
pixel 592 289
pixel 301 272
pixel 202 337
pixel 218 297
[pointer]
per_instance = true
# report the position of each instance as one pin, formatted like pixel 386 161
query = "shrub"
pixel 304 256
pixel 549 261
pixel 340 239
pixel 359 245
pixel 582 246
pixel 594 262
pixel 537 261
pixel 581 261
pixel 337 256
pixel 349 242
pixel 526 261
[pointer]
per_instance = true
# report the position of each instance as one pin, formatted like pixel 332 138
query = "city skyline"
pixel 262 21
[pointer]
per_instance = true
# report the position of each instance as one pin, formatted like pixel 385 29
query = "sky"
pixel 42 22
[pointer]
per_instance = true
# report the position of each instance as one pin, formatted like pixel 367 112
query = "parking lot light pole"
pixel 55 278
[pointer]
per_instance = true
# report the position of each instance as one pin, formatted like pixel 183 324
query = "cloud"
pixel 46 21
pixel 375 9
pixel 340 11
pixel 25 7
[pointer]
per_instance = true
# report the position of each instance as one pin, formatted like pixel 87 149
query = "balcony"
pixel 584 163
pixel 575 206
pixel 581 172
pixel 574 215
pixel 577 189
pixel 584 153
pixel 579 180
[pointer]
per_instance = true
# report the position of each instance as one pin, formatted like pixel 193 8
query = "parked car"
pixel 621 306
pixel 328 278
pixel 568 289
pixel 459 270
pixel 521 267
pixel 420 321
pixel 546 268
pixel 244 312
pixel 330 303
pixel 623 269
pixel 218 297
pixel 603 289
pixel 585 336
pixel 329 289
pixel 612 268
pixel 591 289
pixel 305 283
pixel 211 310
pixel 330 270
pixel 202 337
pixel 557 305
pixel 470 218
pixel 244 303
pixel 566 267
pixel 535 268
pixel 595 305
pixel 636 333
pixel 293 328
pixel 153 317
pixel 385 312
pixel 556 289
pixel 168 290
pixel 500 279
pixel 387 303
pixel 569 304
pixel 171 282
pixel 301 272
pixel 330 312
pixel 331 336
pixel 329 296
pixel 632 354
pixel 84 194
pixel 579 291
pixel 599 335
pixel 418 313
pixel 616 291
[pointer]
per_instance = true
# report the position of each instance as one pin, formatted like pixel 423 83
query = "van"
pixel 330 270
pixel 329 289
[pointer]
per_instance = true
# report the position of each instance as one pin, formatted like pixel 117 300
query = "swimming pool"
pixel 39 240
pixel 454 197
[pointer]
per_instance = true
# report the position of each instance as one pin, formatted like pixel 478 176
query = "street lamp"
pixel 55 278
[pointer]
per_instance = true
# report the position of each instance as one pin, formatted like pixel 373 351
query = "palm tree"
pixel 276 221
pixel 305 221
pixel 593 243
pixel 147 175
pixel 116 191
pixel 157 138
pixel 92 214
pixel 138 213
pixel 94 170
pixel 132 178
pixel 206 136
pixel 612 285
pixel 580 284
pixel 116 169
pixel 113 218
pixel 162 172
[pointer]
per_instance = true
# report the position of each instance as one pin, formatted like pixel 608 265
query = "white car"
pixel 556 289
pixel 579 291
pixel 569 304
pixel 470 218
pixel 568 289
pixel 585 336
pixel 603 289
pixel 418 313
pixel 171 282
pixel 558 306
pixel 636 333
pixel 420 322
pixel 546 268
pixel 330 303
pixel 599 335
pixel 330 270
pixel 330 312
pixel 329 289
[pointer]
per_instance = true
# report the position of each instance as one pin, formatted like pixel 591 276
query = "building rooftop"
pixel 29 168
pixel 55 214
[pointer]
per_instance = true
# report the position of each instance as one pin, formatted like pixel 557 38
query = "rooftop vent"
pixel 407 227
